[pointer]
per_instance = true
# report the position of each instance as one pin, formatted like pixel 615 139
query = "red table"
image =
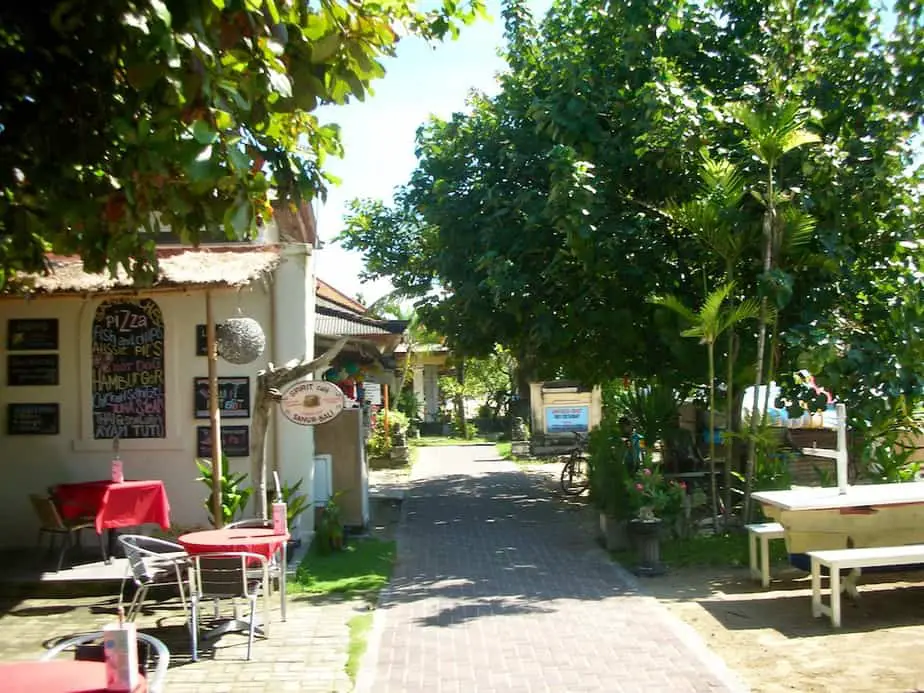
pixel 57 676
pixel 250 540
pixel 126 504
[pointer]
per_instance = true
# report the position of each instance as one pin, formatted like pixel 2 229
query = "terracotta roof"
pixel 228 266
pixel 326 291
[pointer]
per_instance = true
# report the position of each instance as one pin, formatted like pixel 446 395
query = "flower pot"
pixel 614 533
pixel 646 534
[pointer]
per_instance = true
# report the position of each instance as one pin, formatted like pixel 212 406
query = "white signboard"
pixel 372 393
pixel 312 402
pixel 567 419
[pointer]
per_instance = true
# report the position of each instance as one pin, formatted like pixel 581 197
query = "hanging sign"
pixel 312 402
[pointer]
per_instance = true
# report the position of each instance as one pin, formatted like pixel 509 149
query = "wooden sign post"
pixel 214 410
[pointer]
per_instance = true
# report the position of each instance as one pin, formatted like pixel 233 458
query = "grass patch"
pixel 505 450
pixel 361 569
pixel 706 551
pixel 359 630
pixel 440 441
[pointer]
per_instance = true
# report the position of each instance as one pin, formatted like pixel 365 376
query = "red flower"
pixel 639 487
pixel 647 472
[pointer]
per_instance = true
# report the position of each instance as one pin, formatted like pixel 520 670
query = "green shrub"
pixel 608 474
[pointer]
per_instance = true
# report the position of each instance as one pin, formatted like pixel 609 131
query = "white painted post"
pixel 841 449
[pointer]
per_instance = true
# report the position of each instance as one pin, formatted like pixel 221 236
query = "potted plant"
pixel 608 477
pixel 234 497
pixel 652 498
pixel 329 530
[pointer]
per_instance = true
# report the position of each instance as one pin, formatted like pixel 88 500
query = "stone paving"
pixel 497 588
pixel 306 653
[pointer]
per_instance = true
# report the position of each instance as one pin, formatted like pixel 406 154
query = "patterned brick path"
pixel 498 588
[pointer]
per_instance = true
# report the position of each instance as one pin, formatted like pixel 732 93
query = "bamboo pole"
pixel 385 409
pixel 214 411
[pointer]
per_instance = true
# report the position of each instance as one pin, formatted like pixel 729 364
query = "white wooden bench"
pixel 764 531
pixel 844 559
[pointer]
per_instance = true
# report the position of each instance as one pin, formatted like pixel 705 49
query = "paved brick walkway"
pixel 498 588
pixel 307 653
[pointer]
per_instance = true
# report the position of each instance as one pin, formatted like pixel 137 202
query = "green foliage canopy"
pixel 119 116
pixel 540 218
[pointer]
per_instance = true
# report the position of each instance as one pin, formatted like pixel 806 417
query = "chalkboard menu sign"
pixel 32 369
pixel 233 397
pixel 32 419
pixel 235 441
pixel 32 334
pixel 202 342
pixel 128 370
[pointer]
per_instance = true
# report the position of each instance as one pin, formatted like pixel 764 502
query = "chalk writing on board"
pixel 32 369
pixel 32 333
pixel 235 441
pixel 128 370
pixel 233 397
pixel 32 419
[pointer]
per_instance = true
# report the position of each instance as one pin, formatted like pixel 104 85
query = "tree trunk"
pixel 729 424
pixel 460 400
pixel 269 390
pixel 769 219
pixel 714 488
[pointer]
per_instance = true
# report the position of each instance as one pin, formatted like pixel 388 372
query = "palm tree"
pixel 708 324
pixel 713 217
pixel 771 134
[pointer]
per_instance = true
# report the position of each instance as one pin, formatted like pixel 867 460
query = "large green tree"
pixel 536 219
pixel 119 116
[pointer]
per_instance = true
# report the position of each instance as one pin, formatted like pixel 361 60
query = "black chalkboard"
pixel 235 441
pixel 33 419
pixel 128 370
pixel 32 334
pixel 233 397
pixel 202 342
pixel 32 369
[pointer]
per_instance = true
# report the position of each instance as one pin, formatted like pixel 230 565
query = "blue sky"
pixel 378 134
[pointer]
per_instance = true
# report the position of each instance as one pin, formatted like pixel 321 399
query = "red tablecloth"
pixel 128 504
pixel 262 541
pixel 56 676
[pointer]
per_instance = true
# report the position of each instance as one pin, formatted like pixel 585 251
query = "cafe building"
pixel 94 367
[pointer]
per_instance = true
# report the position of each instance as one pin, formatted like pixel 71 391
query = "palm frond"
pixel 745 310
pixel 797 228
pixel 673 303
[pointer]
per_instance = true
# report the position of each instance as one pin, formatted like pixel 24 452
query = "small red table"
pixel 250 540
pixel 115 505
pixel 264 542
pixel 57 676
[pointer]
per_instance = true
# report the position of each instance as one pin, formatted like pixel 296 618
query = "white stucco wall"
pixel 32 463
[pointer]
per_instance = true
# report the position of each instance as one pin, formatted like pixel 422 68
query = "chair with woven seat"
pixel 277 562
pixel 152 563
pixel 153 655
pixel 52 523
pixel 227 575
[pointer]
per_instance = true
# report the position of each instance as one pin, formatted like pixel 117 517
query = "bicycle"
pixel 574 478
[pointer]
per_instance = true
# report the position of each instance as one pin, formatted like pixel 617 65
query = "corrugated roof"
pixel 332 322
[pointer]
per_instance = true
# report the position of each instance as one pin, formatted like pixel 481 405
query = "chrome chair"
pixel 227 575
pixel 277 562
pixel 88 647
pixel 152 563
pixel 54 525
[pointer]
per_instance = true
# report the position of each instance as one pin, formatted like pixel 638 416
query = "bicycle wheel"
pixel 574 475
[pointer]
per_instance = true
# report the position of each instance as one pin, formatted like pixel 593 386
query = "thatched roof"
pixel 226 266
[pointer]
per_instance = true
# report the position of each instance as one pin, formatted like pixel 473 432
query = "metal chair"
pixel 54 525
pixel 227 575
pixel 88 648
pixel 152 563
pixel 277 562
